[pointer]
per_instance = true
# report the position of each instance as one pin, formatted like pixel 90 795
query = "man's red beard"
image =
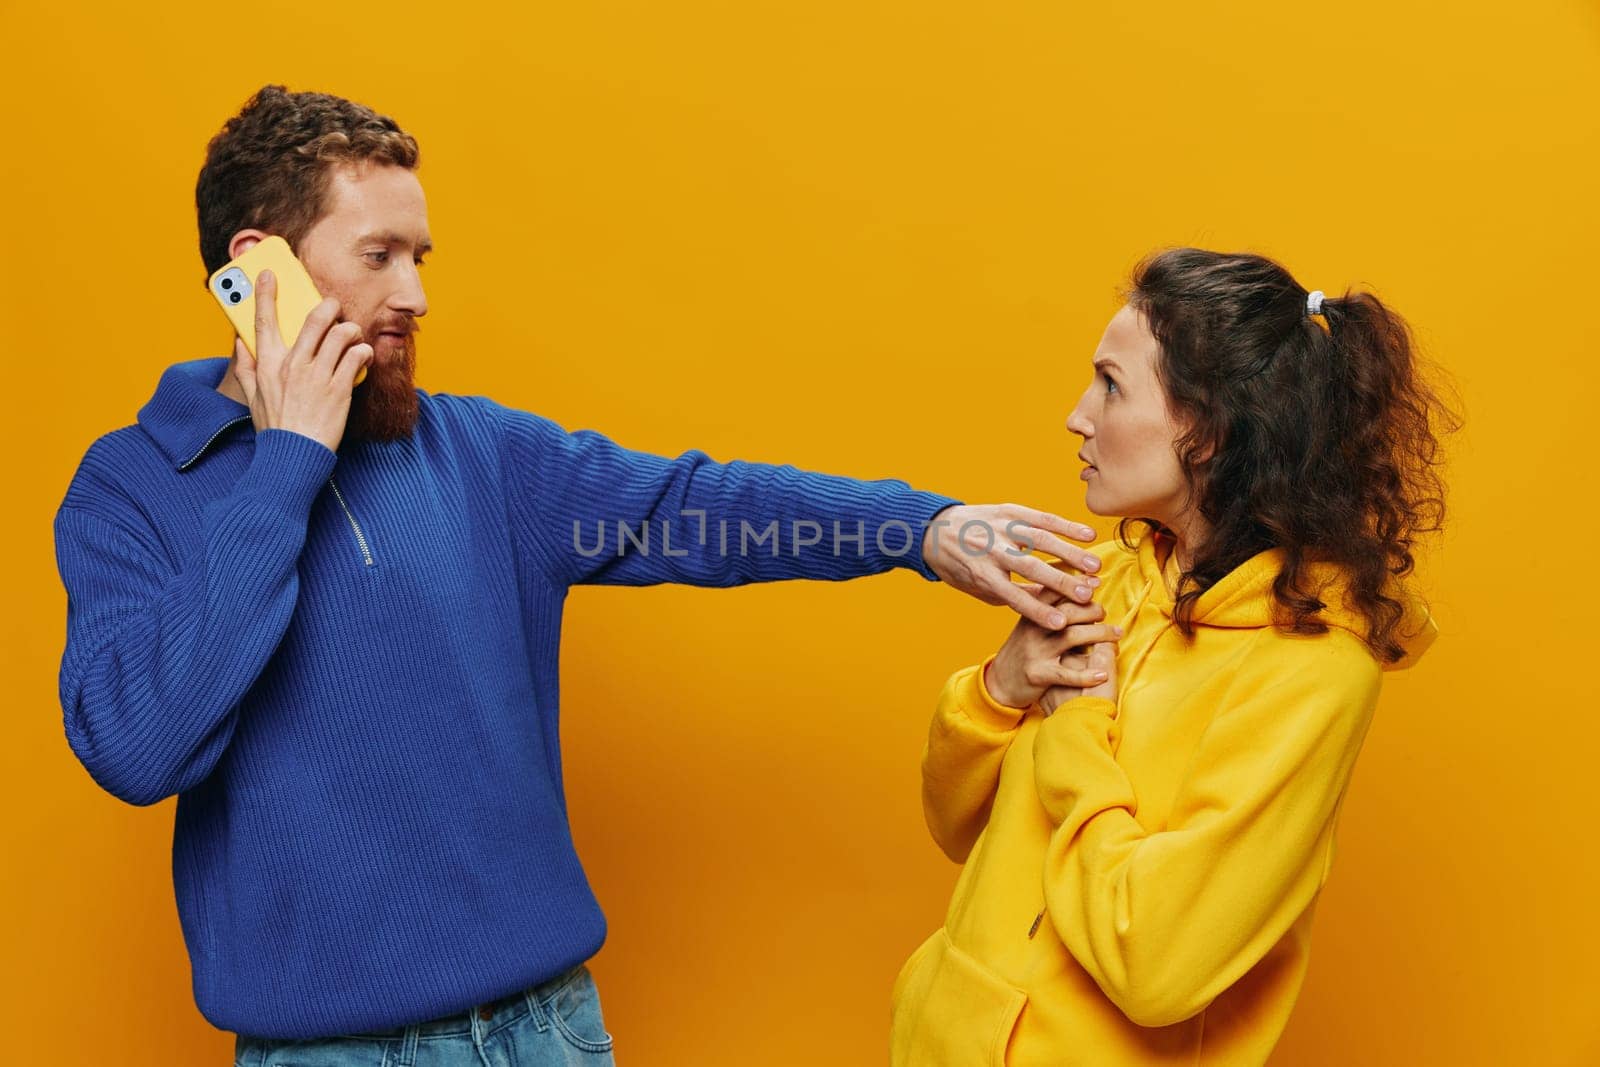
pixel 384 406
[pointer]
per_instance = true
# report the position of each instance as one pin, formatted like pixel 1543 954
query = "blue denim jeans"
pixel 555 1024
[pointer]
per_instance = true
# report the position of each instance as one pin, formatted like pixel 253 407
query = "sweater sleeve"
pixel 967 742
pixel 594 512
pixel 1166 920
pixel 157 657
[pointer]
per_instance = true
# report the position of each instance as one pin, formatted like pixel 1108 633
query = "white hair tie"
pixel 1314 302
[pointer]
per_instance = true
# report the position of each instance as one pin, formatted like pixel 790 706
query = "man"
pixel 327 618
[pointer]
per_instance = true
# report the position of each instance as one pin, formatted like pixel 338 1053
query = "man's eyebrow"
pixel 1106 361
pixel 389 237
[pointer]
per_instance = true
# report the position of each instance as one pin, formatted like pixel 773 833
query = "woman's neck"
pixel 1188 532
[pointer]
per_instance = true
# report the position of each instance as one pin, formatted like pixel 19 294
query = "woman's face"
pixel 1127 430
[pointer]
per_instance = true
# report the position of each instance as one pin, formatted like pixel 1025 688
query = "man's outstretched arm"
pixel 590 511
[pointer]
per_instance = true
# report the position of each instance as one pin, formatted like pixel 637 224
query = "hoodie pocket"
pixel 950 1011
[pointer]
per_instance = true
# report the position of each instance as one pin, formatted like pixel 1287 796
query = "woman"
pixel 1144 802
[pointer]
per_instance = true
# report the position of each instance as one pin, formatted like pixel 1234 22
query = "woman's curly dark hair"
pixel 1316 439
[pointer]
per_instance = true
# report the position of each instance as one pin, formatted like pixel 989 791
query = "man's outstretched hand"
pixel 976 548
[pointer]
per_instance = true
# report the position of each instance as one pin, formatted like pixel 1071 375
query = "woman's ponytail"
pixel 1314 429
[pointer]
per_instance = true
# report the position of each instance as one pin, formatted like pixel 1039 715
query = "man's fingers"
pixel 312 331
pixel 1070 554
pixel 266 311
pixel 1068 585
pixel 1045 520
pixel 355 357
pixel 342 336
pixel 1074 611
pixel 1031 608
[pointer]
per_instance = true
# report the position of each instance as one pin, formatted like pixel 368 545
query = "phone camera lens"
pixel 235 297
pixel 227 283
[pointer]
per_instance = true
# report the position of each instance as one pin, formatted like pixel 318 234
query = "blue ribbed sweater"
pixel 344 664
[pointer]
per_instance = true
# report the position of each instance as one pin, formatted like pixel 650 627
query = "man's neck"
pixel 230 387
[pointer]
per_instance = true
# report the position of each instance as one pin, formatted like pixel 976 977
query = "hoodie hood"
pixel 186 413
pixel 1243 598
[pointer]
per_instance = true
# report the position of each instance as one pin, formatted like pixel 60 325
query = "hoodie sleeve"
pixel 1166 920
pixel 157 657
pixel 593 512
pixel 967 742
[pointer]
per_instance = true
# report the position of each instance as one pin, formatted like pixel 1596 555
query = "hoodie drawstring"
pixel 1124 677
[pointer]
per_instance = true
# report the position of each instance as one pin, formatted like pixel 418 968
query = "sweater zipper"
pixel 231 422
pixel 361 538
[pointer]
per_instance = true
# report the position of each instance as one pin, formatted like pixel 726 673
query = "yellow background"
pixel 876 239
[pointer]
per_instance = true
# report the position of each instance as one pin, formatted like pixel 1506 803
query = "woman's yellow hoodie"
pixel 1139 876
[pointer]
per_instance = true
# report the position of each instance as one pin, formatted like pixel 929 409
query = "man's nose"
pixel 410 298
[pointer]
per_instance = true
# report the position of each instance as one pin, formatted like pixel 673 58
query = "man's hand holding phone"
pixel 305 388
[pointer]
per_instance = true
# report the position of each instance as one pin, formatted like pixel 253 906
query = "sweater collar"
pixel 186 412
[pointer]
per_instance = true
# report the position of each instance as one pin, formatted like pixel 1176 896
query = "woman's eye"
pixel 382 256
pixel 1111 384
pixel 421 263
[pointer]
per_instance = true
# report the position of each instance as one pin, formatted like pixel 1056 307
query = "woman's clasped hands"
pixel 1050 667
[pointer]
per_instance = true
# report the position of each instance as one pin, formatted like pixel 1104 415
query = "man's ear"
pixel 245 240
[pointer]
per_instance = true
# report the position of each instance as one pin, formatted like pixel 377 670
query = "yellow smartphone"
pixel 234 286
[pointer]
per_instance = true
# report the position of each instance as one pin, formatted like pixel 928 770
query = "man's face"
pixel 366 251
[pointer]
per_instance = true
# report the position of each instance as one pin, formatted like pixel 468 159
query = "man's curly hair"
pixel 270 166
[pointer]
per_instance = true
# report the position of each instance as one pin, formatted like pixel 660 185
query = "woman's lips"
pixel 1087 473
